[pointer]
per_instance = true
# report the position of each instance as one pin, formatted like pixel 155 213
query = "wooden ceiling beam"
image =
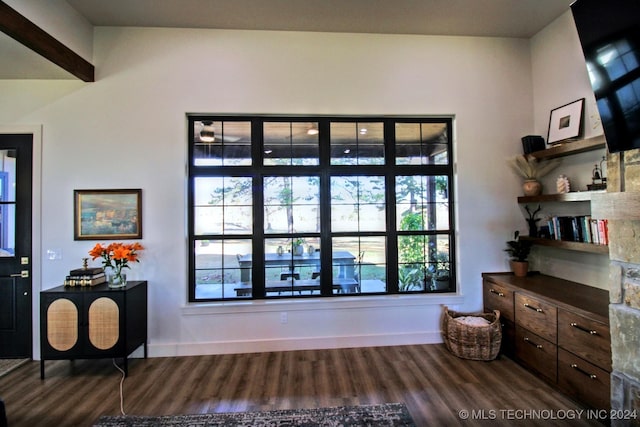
pixel 35 38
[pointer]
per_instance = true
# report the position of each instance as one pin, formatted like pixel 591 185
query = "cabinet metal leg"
pixel 41 369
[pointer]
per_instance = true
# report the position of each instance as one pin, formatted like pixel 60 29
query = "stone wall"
pixel 623 176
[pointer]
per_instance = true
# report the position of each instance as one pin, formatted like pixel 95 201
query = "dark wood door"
pixel 15 245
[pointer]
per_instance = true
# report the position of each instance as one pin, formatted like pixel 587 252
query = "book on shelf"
pixel 89 271
pixel 85 280
pixel 89 276
pixel 581 228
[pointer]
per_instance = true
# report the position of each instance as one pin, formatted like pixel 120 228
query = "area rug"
pixel 8 365
pixel 388 414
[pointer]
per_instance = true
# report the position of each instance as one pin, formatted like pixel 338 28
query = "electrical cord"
pixel 121 385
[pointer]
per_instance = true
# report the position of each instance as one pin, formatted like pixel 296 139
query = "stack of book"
pixel 89 276
pixel 579 229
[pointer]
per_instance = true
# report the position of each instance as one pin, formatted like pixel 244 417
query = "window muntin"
pixel 246 214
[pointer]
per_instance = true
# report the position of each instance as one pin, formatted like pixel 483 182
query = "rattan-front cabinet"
pixel 93 322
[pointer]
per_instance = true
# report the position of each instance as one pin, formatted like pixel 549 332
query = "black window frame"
pixel 324 170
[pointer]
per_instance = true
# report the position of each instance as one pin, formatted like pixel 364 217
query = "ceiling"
pixel 485 18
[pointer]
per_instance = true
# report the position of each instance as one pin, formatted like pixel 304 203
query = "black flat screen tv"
pixel 609 32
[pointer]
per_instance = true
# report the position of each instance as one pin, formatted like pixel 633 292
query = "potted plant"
pixel 519 252
pixel 298 246
pixel 532 169
pixel 441 278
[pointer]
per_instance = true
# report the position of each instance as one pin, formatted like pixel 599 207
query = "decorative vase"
pixel 298 250
pixel 519 268
pixel 532 187
pixel 116 278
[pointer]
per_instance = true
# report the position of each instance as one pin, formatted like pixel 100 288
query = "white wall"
pixel 560 77
pixel 61 21
pixel 128 130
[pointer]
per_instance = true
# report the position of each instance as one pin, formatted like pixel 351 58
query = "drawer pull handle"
pixel 589 331
pixel 493 291
pixel 539 310
pixel 538 346
pixel 592 376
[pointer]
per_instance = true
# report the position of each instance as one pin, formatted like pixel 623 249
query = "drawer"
pixel 584 381
pixel 585 338
pixel 537 353
pixel 537 316
pixel 498 297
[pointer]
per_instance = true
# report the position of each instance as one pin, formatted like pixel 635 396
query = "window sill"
pixel 276 305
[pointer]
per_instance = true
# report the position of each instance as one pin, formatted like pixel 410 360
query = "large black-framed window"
pixel 319 206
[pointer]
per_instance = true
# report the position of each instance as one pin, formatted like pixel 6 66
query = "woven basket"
pixel 472 341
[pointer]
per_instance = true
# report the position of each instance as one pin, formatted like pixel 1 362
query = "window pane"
pixel 8 203
pixel 221 268
pixel 223 205
pixel 422 202
pixel 359 265
pixel 358 203
pixel 291 204
pixel 355 143
pixel 219 143
pixel 291 143
pixel 292 266
pixel 423 262
pixel 421 144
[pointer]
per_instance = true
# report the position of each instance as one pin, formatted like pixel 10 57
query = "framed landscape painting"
pixel 107 214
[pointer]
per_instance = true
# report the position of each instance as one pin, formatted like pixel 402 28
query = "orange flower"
pixel 116 255
pixel 97 251
pixel 120 252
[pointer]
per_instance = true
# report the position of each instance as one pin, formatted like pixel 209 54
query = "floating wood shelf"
pixel 576 196
pixel 574 246
pixel 572 147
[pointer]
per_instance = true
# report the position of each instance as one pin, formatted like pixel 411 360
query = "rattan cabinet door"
pixel 61 325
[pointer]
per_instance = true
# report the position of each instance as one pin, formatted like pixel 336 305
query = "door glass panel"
pixel 7 203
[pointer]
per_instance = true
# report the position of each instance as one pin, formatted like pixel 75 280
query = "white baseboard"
pixel 257 346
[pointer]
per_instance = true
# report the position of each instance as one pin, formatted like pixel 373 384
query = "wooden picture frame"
pixel 565 123
pixel 107 214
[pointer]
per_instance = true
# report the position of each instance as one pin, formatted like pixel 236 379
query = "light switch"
pixel 54 254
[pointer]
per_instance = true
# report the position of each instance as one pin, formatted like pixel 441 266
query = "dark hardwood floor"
pixel 434 385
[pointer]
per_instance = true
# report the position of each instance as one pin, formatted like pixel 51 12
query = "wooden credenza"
pixel 93 322
pixel 557 328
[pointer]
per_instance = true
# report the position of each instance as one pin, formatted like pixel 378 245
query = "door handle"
pixel 23 274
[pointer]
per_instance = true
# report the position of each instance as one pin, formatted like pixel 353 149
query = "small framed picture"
pixel 565 122
pixel 107 214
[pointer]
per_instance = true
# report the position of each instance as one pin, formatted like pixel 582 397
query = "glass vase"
pixel 116 277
